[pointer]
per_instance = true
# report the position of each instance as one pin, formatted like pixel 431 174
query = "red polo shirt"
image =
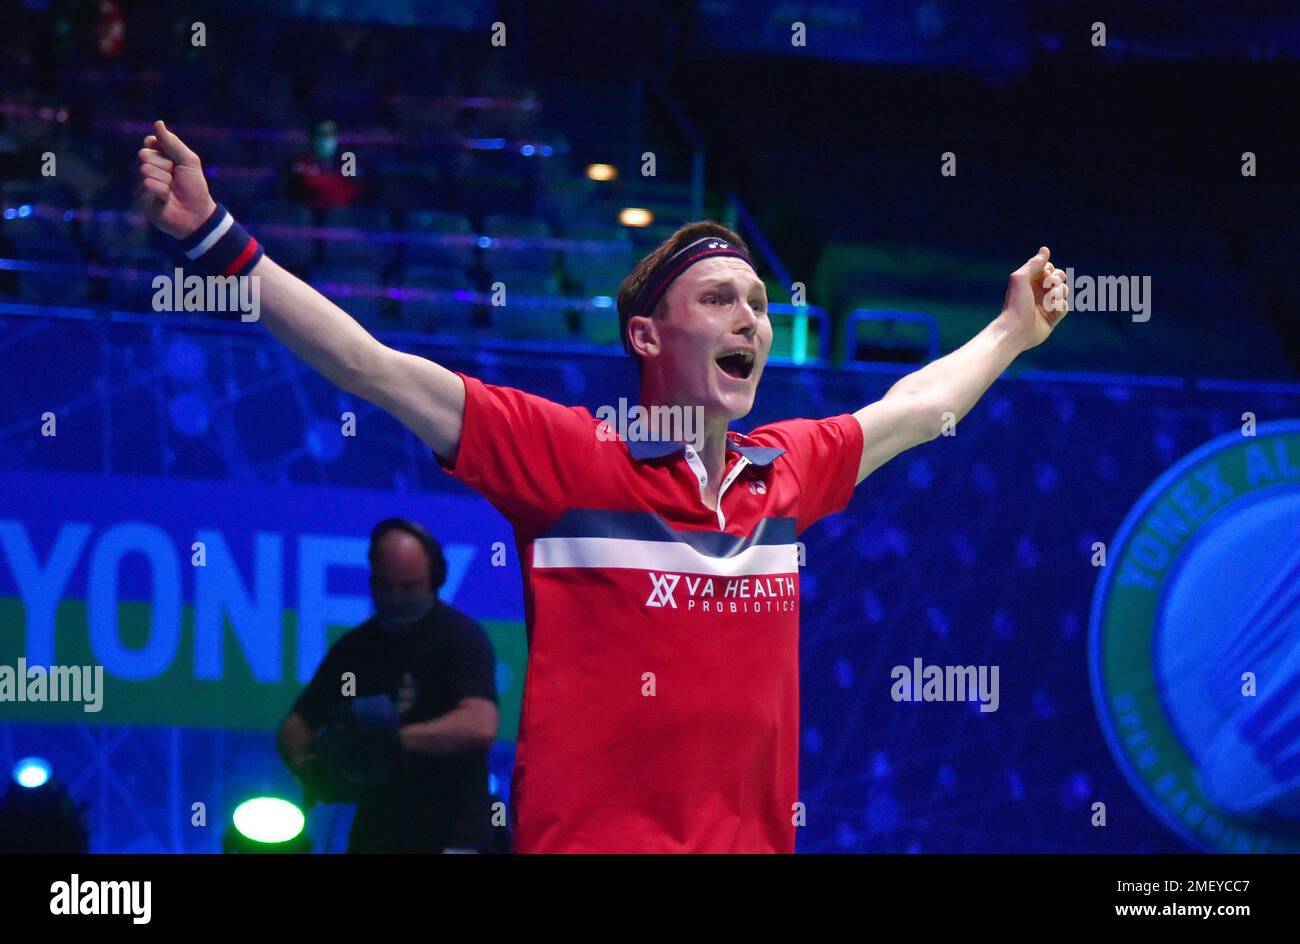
pixel 661 703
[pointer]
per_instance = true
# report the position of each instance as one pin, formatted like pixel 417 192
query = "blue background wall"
pixel 974 549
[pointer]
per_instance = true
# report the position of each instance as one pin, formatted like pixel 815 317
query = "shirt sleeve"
pixel 823 456
pixel 475 672
pixel 525 454
pixel 323 691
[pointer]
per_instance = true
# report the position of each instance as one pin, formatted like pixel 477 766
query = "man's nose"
pixel 746 320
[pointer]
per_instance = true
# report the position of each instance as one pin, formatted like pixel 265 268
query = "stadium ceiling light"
pixel 635 216
pixel 602 172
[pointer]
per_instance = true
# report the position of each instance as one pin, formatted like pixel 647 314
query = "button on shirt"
pixel 661 702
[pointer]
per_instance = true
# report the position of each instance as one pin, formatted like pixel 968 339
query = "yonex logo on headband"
pixel 714 242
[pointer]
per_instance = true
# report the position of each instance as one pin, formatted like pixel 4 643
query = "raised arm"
pixel 916 407
pixel 429 399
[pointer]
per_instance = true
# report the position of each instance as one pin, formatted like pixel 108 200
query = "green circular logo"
pixel 1194 643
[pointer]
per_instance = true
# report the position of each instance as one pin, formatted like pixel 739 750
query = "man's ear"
pixel 643 335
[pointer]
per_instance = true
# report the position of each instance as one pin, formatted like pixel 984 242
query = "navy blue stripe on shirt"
pixel 647 526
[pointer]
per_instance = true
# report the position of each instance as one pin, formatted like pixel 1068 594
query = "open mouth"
pixel 738 364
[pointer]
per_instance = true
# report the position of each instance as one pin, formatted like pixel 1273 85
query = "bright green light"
pixel 268 819
pixel 799 346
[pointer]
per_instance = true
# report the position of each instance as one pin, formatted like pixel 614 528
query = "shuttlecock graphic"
pixel 1252 764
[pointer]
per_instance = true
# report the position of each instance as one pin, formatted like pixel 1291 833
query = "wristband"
pixel 220 246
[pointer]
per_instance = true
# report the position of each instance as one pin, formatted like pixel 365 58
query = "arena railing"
pixel 890 318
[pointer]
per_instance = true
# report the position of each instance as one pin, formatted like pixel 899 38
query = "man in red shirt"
pixel 315 177
pixel 661 704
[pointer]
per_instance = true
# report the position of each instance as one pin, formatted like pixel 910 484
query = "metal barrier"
pixel 803 314
pixel 890 316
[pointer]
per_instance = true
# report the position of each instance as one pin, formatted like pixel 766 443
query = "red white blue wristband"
pixel 221 246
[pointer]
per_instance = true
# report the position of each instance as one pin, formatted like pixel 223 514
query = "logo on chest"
pixel 763 594
pixel 662 589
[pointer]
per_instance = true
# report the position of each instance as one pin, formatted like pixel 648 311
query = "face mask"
pixel 399 612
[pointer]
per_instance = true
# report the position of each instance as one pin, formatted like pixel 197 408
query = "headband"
pixel 652 291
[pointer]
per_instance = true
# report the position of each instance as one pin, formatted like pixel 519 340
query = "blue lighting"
pixel 528 150
pixel 185 360
pixel 845 835
pixel 69 216
pixel 25 210
pixel 11 213
pixel 880 767
pixel 189 413
pixel 485 242
pixel 324 441
pixel 31 772
pixel 602 301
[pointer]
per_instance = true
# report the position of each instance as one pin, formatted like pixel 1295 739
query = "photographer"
pixel 402 711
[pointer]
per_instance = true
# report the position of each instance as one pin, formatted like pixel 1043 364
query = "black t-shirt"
pixel 426 668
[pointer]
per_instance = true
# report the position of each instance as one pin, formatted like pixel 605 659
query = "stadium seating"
pixel 474 177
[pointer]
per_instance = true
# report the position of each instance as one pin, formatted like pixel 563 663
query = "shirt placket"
pixel 702 476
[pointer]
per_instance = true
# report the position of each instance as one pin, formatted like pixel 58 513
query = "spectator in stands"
pixel 110 30
pixel 316 176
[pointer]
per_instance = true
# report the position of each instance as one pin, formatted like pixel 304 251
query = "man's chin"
pixel 734 405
